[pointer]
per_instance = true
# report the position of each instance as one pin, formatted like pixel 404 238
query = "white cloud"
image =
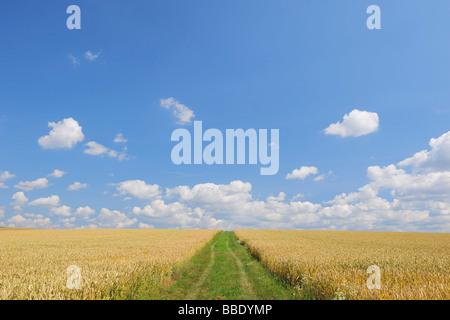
pixel 77 186
pixel 139 189
pixel 436 159
pixel 232 206
pixel 19 200
pixel 97 149
pixel 2 213
pixel 83 213
pixel 56 173
pixel 323 176
pixel 37 221
pixel 31 185
pixel 366 210
pixel 394 199
pixel 120 138
pixel 420 202
pixel 159 209
pixel 209 195
pixel 20 197
pixel 182 113
pixel 88 226
pixel 415 186
pixel 91 56
pixel 5 175
pixel 356 123
pixel 302 173
pixel 66 222
pixel 176 214
pixel 63 211
pixel 52 201
pixel 114 219
pixel 320 178
pixel 64 134
pixel 145 226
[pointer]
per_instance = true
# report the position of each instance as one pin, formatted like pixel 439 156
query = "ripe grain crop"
pixel 114 264
pixel 333 264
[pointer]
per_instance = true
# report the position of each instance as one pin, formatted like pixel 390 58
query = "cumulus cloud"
pixel 419 204
pixel 120 138
pixel 182 113
pixel 77 186
pixel 160 209
pixel 40 183
pixel 176 215
pixel 302 173
pixel 97 149
pixel 114 219
pixel 30 221
pixel 436 159
pixel 20 197
pixel 411 186
pixel 19 200
pixel 63 211
pixel 417 201
pixel 211 195
pixel 5 175
pixel 2 213
pixel 420 199
pixel 52 201
pixel 394 199
pixel 232 205
pixel 138 189
pixel 64 134
pixel 356 123
pixel 366 210
pixel 56 173
pixel 83 213
pixel 145 226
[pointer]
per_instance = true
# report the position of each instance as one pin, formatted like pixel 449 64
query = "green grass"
pixel 224 269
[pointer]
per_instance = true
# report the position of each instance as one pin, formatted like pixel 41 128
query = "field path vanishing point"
pixel 224 269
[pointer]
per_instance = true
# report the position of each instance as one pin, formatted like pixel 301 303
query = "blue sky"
pixel 296 66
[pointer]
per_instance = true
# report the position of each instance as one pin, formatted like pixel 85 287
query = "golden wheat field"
pixel 113 264
pixel 333 264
